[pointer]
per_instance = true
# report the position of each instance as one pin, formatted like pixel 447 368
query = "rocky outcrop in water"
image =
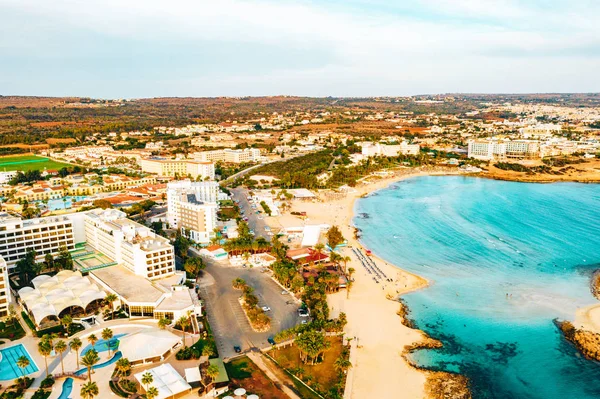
pixel 441 385
pixel 587 342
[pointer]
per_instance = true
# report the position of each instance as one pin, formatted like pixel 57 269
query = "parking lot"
pixel 255 221
pixel 226 317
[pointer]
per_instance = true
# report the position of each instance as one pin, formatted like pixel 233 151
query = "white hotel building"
pixel 487 150
pixel 121 256
pixel 192 208
pixel 229 155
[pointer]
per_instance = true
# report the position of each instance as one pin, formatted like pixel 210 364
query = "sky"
pixel 208 48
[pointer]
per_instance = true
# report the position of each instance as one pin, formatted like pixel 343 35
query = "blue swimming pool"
pixel 67 388
pixel 102 345
pixel 8 363
pixel 56 204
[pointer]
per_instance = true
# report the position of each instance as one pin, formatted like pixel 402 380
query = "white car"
pixel 267 228
pixel 266 308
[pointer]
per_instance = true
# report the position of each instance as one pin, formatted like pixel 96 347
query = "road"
pixel 225 315
pixel 255 224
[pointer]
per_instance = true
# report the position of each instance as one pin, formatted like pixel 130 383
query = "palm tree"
pixel 61 347
pixel 346 259
pixel 350 282
pixel 212 372
pixel 76 344
pixel 107 335
pixel 92 339
pixel 151 393
pixel 110 299
pixel 147 379
pixel 23 363
pixel 163 323
pixel 89 360
pixel 123 365
pixel 342 364
pixel 319 248
pixel 45 348
pixel 66 321
pixel 184 322
pixel 208 351
pixel 89 390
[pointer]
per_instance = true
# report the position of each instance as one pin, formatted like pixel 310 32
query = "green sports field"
pixel 29 162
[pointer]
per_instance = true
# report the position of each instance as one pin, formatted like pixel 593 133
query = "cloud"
pixel 304 47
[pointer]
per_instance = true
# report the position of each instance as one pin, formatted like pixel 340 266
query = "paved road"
pixel 225 314
pixel 255 224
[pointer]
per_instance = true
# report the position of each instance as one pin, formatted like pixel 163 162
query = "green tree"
pixel 184 323
pixel 311 345
pixel 334 237
pixel 107 335
pixel 193 265
pixel 109 300
pixel 61 347
pixel 92 339
pixel 212 371
pixel 123 366
pixel 147 379
pixel 23 363
pixel 89 390
pixel 76 344
pixel 89 360
pixel 102 203
pixel 163 323
pixel 45 348
pixel 208 350
pixel 66 321
pixel 151 393
pixel 26 267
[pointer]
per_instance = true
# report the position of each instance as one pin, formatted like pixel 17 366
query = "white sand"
pixel 588 318
pixel 379 369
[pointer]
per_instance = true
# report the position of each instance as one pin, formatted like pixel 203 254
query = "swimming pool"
pixel 8 363
pixel 56 204
pixel 67 388
pixel 102 345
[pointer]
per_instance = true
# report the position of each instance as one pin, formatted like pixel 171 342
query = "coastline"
pixel 374 313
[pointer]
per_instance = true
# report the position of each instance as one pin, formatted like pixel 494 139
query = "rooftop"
pixel 131 287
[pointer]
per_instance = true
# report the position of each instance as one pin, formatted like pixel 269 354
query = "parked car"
pixel 267 228
pixel 303 312
pixel 271 340
pixel 237 349
pixel 266 308
pixel 284 292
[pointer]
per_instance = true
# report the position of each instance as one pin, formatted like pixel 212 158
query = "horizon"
pixel 259 48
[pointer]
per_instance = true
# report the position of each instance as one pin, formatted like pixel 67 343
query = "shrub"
pixel 47 382
pixel 128 385
pixel 184 353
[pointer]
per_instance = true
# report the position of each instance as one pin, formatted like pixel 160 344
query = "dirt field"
pixel 245 374
pixel 584 172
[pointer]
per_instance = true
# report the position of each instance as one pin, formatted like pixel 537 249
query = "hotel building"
pixel 47 235
pixel 4 289
pixel 487 150
pixel 179 167
pixel 192 208
pixel 230 156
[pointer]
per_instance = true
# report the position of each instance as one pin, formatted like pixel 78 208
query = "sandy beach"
pixel 379 368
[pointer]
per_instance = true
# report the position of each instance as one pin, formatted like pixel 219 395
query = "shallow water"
pixel 504 259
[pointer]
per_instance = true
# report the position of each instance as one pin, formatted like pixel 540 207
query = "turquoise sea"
pixel 505 259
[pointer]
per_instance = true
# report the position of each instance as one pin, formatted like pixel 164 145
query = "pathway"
pixel 272 374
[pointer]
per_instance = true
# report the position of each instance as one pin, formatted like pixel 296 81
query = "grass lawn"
pixel 245 374
pixel 12 332
pixel 29 162
pixel 322 376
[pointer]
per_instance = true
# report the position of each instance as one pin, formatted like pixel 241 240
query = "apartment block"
pixel 4 289
pixel 493 149
pixel 230 156
pixel 192 208
pixel 46 235
pixel 131 244
pixel 176 167
pixel 388 150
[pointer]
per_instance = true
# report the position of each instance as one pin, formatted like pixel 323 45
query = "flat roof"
pixel 128 285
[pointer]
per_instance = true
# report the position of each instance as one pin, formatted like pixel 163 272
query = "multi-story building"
pixel 192 208
pixel 131 244
pixel 179 167
pixel 47 235
pixel 376 149
pixel 230 156
pixel 493 149
pixel 4 289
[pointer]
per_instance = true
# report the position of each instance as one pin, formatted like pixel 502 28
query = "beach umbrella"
pixel 252 397
pixel 239 392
